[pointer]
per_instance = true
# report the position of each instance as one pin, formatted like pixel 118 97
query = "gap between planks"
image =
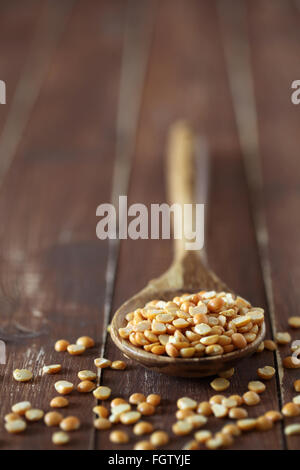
pixel 138 35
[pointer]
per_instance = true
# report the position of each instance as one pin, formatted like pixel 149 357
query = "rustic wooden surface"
pixel 54 278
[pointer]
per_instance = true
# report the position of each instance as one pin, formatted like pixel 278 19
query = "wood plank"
pixel 52 274
pixel 274 32
pixel 187 78
pixel 18 22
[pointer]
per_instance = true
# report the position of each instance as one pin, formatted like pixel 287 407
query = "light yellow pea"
pixel 87 375
pixel 16 426
pixel 266 372
pixel 182 428
pixel 220 384
pixel 75 349
pixel 34 414
pixel 246 424
pixel 60 438
pixel 85 386
pixel 102 393
pixel 251 398
pixel 143 445
pixel 119 437
pixel 294 322
pixel 102 363
pixel 86 341
pixel 256 386
pixel 130 417
pixel 197 420
pixel 283 337
pixel 59 402
pixel 159 438
pixel 143 427
pixel 186 403
pixel 220 411
pixel 203 436
pixel 63 387
pixel 118 365
pixel 22 375
pixel 52 369
pixel 21 407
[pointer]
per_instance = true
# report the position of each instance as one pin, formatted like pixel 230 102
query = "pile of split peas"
pixel 207 323
pixel 192 417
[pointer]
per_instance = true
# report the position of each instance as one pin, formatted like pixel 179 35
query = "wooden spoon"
pixel 187 274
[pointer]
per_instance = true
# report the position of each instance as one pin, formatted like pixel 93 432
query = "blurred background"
pixel 92 87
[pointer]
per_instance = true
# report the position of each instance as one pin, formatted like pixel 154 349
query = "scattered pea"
pixel 61 345
pixel 52 369
pixel 71 423
pixel 251 398
pixel 181 428
pixel 246 424
pixel 226 374
pixel 270 345
pixel 119 437
pixel 102 423
pixel 283 338
pixel 21 407
pixel 256 386
pixel 75 349
pixel 238 413
pixel 220 384
pixel 264 424
pixel 102 393
pixel 130 417
pixel 294 322
pixel 146 409
pixel 143 445
pixel 159 438
pixel 266 372
pixel 53 418
pixel 118 365
pixel 292 429
pixel 59 402
pixel 186 403
pixel 143 427
pixel 101 411
pixel 22 375
pixel 137 398
pixel 202 436
pixel 16 426
pixel 34 414
pixel 63 387
pixel 87 375
pixel 290 409
pixel 154 399
pixel 85 386
pixel 86 341
pixel 60 438
pixel 102 363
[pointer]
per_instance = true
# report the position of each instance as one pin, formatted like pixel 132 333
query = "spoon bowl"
pixel 161 289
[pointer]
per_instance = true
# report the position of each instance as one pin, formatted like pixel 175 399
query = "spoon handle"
pixel 187 183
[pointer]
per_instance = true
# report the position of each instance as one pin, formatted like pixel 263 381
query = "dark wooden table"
pixel 61 62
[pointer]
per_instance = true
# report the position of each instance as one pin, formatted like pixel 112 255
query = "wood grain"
pixel 54 274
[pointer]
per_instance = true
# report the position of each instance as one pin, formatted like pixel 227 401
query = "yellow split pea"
pixel 194 325
pixel 220 384
pixel 22 375
pixel 102 393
